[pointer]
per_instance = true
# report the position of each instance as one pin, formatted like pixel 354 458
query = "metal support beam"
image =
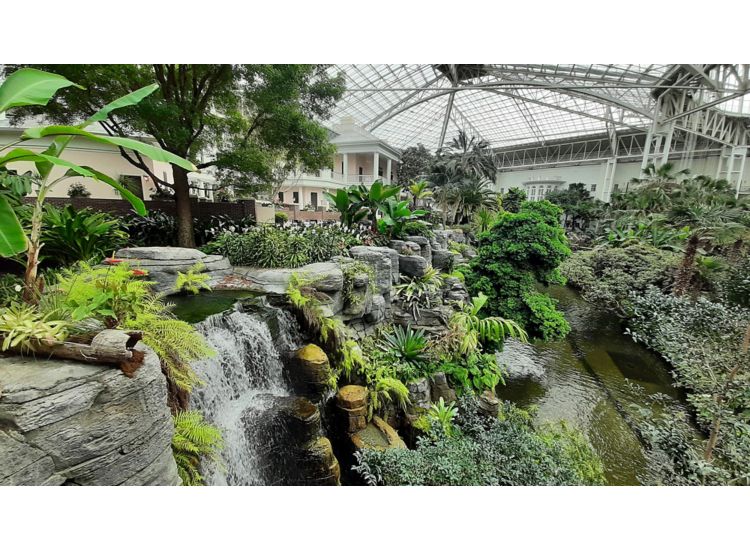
pixel 448 109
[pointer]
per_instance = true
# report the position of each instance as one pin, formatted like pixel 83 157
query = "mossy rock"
pixel 352 397
pixel 310 370
pixel 378 435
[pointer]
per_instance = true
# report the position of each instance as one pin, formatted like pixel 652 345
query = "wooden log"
pixel 109 347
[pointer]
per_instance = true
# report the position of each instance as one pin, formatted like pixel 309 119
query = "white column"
pixel 388 169
pixel 375 163
pixel 346 168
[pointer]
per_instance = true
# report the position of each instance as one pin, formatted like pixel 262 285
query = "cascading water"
pixel 242 381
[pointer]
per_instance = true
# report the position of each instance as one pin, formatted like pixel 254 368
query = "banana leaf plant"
pixel 373 198
pixel 395 214
pixel 34 87
pixel 352 211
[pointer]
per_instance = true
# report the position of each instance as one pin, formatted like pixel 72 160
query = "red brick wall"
pixel 235 210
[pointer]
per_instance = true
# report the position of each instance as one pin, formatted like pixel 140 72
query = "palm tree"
pixel 467 157
pixel 708 223
pixel 419 191
pixel 663 176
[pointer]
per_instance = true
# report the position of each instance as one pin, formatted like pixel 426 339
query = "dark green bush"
pixel 487 451
pixel 71 235
pixel 269 246
pixel 608 275
pixel 703 340
pixel 520 251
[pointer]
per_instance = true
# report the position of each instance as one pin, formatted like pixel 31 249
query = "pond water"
pixel 195 308
pixel 590 380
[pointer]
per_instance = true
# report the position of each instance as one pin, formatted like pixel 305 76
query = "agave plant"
pixel 406 345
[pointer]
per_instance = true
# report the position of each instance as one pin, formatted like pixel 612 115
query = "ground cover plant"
pixel 465 448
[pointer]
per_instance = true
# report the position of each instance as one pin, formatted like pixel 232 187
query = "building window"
pixel 593 188
pixel 281 197
pixel 616 187
pixel 295 197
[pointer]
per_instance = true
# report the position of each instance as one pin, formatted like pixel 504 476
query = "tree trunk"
pixel 31 283
pixel 685 271
pixel 183 208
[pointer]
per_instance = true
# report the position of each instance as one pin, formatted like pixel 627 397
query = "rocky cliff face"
pixel 68 423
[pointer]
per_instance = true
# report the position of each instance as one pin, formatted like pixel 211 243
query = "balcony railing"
pixel 325 176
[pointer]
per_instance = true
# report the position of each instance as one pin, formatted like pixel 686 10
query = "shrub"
pixel 269 246
pixel 71 235
pixel 417 228
pixel 156 229
pixel 734 285
pixel 607 275
pixel 78 190
pixel 487 451
pixel 520 251
pixel 10 288
pixel 280 217
pixel 703 340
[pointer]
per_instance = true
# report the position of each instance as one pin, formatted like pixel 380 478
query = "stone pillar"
pixel 310 370
pixel 351 402
pixel 375 165
pixel 346 168
pixel 388 170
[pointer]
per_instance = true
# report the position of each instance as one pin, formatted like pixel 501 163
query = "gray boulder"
pixel 383 260
pixel 425 250
pixel 324 276
pixel 63 422
pixel 442 259
pixel 412 266
pixel 164 262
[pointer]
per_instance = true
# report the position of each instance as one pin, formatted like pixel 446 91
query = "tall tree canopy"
pixel 250 122
pixel 416 163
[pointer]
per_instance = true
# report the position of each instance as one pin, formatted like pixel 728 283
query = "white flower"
pixel 18 288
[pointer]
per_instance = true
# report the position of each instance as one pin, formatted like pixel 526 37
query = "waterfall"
pixel 241 382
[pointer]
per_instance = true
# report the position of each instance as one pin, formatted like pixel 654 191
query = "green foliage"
pixel 72 235
pixel 443 415
pixel 262 120
pixel 416 162
pixel 396 214
pixel 520 251
pixel 513 199
pixel 487 451
pixel 22 325
pixel 408 346
pixel 734 286
pixel 417 228
pixel 576 202
pixel 193 280
pixel 349 206
pixel 476 330
pixel 419 190
pixel 268 246
pixel 703 340
pixel 280 218
pixel 117 296
pixel 351 269
pixel 194 441
pixel 474 373
pixel 419 292
pixel 78 190
pixel 607 275
pixel 10 289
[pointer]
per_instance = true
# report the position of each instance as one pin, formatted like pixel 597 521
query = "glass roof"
pixel 504 104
